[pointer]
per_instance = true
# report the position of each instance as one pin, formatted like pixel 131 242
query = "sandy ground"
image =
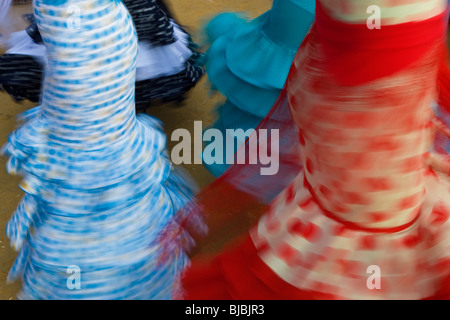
pixel 199 105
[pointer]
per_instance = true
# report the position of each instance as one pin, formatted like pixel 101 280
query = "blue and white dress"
pixel 99 187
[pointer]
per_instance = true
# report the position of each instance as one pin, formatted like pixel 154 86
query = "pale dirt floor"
pixel 199 105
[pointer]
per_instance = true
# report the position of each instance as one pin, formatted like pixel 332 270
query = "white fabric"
pixel 154 62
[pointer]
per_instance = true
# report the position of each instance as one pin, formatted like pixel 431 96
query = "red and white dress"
pixel 367 195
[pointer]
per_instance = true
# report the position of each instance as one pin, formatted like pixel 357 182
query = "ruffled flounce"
pixel 152 61
pixel 169 88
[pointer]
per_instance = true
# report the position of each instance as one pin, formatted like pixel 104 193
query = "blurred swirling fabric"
pixel 99 187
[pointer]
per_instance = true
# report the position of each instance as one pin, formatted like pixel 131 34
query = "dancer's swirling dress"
pixel 167 65
pixel 367 196
pixel 98 185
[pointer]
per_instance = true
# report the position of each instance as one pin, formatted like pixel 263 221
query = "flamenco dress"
pixel 167 66
pixel 370 190
pixel 248 63
pixel 99 187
